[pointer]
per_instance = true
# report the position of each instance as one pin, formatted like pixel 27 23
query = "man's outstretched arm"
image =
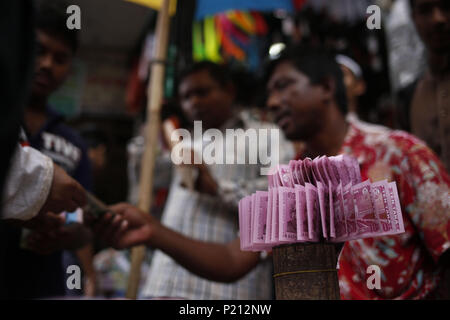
pixel 218 262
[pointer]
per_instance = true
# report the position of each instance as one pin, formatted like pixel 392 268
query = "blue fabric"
pixel 71 217
pixel 79 169
pixel 211 7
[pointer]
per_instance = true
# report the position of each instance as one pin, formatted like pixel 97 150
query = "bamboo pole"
pixel 155 91
pixel 306 272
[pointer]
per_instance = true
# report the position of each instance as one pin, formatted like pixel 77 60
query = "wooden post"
pixel 155 93
pixel 306 272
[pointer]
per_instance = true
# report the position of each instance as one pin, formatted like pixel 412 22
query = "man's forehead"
pixel 347 71
pixel 285 69
pixel 197 78
pixel 48 39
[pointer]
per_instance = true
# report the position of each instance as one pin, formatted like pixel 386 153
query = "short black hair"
pixel 317 64
pixel 218 72
pixel 51 17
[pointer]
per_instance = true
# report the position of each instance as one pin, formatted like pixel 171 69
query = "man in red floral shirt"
pixel 409 262
pixel 305 93
pixel 307 97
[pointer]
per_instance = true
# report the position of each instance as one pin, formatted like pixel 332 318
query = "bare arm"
pixel 213 261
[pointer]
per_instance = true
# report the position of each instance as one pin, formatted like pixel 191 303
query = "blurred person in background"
pixel 429 113
pixel 354 84
pixel 208 211
pixel 37 259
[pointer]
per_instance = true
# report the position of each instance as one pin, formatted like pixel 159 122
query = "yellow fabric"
pixel 156 4
pixel 212 44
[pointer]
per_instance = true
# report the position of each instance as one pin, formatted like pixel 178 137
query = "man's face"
pixel 297 105
pixel 202 98
pixel 432 20
pixel 52 65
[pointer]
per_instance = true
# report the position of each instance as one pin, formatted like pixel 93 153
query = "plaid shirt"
pixel 212 219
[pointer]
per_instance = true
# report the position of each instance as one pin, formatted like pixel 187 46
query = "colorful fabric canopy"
pixel 230 35
pixel 212 7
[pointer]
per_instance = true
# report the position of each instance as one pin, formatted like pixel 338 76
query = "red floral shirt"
pixel 408 262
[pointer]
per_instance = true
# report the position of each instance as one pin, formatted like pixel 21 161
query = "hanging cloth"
pixel 198 48
pixel 260 23
pixel 212 44
pixel 228 46
pixel 243 20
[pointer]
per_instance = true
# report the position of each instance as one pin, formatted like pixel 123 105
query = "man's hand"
pixel 127 228
pixel 65 193
pixel 44 222
pixel 68 237
pixel 205 182
pixel 45 243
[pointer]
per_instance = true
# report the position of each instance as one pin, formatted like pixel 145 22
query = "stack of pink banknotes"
pixel 318 200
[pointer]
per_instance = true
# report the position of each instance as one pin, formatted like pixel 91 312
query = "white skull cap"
pixel 349 63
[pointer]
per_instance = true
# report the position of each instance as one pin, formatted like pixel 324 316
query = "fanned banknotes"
pixel 320 200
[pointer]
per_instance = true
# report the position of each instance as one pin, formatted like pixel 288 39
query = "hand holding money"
pixel 65 193
pixel 128 227
pixel 204 181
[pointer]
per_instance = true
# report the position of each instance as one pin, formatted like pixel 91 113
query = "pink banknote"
pixel 324 208
pixel 268 238
pixel 366 220
pixel 307 166
pixel 288 215
pixel 260 215
pixel 275 217
pixel 285 176
pixel 349 211
pixel 313 212
pixel 301 212
pixel 381 205
pixel 396 210
pixel 340 223
pixel 244 222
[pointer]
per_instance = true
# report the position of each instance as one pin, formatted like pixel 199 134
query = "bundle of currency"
pixel 95 207
pixel 318 200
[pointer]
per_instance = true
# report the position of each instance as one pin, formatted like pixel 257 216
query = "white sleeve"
pixel 28 184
